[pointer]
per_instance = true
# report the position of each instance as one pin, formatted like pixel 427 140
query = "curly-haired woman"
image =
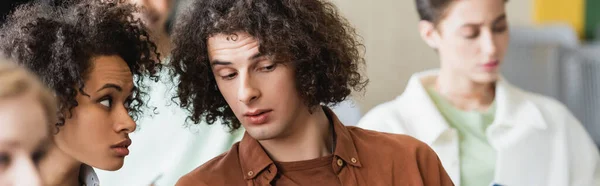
pixel 274 67
pixel 94 55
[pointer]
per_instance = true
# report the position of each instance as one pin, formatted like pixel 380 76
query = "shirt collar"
pixel 88 176
pixel 418 107
pixel 254 160
pixel 512 108
pixel 344 147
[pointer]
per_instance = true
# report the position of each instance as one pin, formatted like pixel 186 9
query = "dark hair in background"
pixel 310 34
pixel 57 43
pixel 171 19
pixel 6 6
pixel 434 10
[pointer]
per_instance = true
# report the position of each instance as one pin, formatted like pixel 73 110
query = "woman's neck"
pixel 59 169
pixel 311 137
pixel 465 93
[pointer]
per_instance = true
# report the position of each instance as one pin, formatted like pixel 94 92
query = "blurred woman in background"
pixel 27 110
pixel 95 56
pixel 484 129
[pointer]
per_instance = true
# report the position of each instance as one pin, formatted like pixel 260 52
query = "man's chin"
pixel 262 136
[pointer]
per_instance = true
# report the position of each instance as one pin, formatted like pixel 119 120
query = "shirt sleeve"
pixel 431 169
pixel 584 155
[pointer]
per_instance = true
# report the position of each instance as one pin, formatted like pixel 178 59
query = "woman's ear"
pixel 428 33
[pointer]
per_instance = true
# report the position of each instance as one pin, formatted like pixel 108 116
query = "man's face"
pixel 261 92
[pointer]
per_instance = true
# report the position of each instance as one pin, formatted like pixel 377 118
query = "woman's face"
pixel 471 39
pixel 24 137
pixel 97 132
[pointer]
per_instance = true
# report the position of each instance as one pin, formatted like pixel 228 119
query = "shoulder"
pixel 555 113
pixel 216 171
pixel 558 117
pixel 380 151
pixel 387 142
pixel 545 103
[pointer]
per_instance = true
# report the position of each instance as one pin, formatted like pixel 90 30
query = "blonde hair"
pixel 16 82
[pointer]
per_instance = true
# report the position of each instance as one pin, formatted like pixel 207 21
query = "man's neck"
pixel 59 169
pixel 310 138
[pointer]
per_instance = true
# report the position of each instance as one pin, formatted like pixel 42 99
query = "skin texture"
pixel 471 37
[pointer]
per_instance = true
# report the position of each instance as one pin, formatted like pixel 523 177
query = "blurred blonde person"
pixel 27 110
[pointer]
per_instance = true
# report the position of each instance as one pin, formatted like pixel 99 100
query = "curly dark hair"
pixel 58 43
pixel 310 34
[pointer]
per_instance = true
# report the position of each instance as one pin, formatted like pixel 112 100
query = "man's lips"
pixel 256 112
pixel 257 117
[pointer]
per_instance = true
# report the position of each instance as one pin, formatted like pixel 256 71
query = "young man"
pixel 269 66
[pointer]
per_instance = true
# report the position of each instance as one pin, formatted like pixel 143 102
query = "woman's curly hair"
pixel 321 44
pixel 58 43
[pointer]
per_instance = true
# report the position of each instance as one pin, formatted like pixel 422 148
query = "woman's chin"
pixel 487 77
pixel 113 165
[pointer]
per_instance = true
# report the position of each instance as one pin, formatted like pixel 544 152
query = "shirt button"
pixel 353 160
pixel 250 173
pixel 340 162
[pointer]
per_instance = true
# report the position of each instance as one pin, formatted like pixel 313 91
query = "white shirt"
pixel 88 176
pixel 539 142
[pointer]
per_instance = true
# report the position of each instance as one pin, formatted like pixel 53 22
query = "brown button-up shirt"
pixel 361 157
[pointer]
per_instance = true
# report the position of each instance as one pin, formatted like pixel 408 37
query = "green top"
pixel 477 156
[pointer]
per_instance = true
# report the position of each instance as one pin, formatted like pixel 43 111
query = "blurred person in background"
pixel 95 57
pixel 27 112
pixel 484 129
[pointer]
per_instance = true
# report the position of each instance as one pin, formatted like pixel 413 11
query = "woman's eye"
pixel 500 29
pixel 107 102
pixel 4 160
